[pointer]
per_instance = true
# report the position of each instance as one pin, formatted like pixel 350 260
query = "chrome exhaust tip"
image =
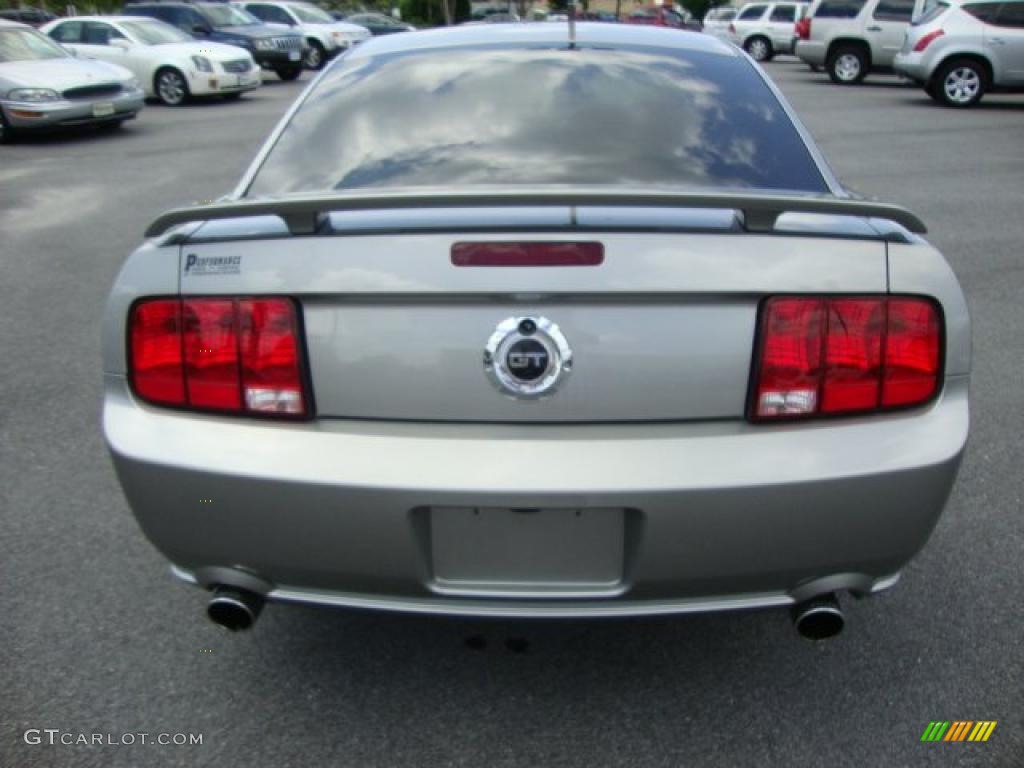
pixel 819 618
pixel 234 609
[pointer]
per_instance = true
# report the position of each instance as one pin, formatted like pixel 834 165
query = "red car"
pixel 660 16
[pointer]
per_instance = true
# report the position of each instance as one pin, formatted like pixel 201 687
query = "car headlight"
pixel 264 45
pixel 202 64
pixel 34 95
pixel 131 84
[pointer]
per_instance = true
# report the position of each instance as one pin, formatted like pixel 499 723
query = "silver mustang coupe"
pixel 44 86
pixel 538 321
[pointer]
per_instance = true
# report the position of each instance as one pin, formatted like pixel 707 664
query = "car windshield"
pixel 228 16
pixel 641 116
pixel 311 15
pixel 27 45
pixel 154 32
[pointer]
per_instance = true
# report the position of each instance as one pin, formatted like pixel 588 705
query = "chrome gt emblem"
pixel 527 357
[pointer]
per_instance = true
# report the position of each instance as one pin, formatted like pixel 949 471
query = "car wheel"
pixel 759 48
pixel 315 55
pixel 171 87
pixel 847 65
pixel 960 83
pixel 6 134
pixel 288 73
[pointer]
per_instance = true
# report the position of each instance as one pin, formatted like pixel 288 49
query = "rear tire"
pixel 847 65
pixel 759 48
pixel 960 83
pixel 289 73
pixel 171 87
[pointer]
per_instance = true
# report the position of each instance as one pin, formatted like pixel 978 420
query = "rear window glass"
pixel 932 11
pixel 751 12
pixel 839 9
pixel 983 11
pixel 450 118
pixel 894 10
pixel 1012 15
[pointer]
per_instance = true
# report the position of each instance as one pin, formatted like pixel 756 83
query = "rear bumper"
pixel 811 52
pixel 720 514
pixel 912 66
pixel 65 113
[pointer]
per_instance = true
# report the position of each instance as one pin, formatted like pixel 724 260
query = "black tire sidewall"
pixel 768 47
pixel 316 46
pixel 160 73
pixel 837 54
pixel 288 73
pixel 940 82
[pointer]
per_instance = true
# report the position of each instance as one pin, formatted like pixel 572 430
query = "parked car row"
pixel 99 69
pixel 42 85
pixel 957 50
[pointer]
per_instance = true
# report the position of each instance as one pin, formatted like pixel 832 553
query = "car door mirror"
pixel 70 50
pixel 121 43
pixel 201 29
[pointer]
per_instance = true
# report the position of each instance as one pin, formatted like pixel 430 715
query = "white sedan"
pixel 170 65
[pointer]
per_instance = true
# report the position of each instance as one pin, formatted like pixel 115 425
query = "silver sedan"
pixel 43 86
pixel 541 321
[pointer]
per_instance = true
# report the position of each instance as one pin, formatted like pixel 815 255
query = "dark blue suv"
pixel 278 49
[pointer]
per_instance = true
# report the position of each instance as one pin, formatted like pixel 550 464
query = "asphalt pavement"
pixel 96 637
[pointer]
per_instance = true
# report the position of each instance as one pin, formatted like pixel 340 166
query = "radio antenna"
pixel 572 25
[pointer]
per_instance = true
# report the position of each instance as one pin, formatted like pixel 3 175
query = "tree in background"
pixel 700 8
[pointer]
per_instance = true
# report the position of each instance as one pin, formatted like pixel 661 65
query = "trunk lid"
pixel 663 329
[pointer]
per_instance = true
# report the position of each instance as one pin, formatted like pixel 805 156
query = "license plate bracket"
pixel 527 550
pixel 103 109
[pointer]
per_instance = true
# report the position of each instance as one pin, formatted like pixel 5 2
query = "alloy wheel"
pixel 314 58
pixel 962 86
pixel 758 49
pixel 847 67
pixel 171 88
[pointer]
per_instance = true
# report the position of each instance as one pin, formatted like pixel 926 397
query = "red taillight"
pixel 925 41
pixel 156 360
pixel 491 254
pixel 803 29
pixel 912 358
pixel 218 354
pixel 825 356
pixel 210 340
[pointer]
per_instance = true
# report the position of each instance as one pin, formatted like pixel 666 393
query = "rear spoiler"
pixel 305 215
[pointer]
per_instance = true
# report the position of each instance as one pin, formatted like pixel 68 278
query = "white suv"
pixel 765 29
pixel 325 36
pixel 957 53
pixel 853 37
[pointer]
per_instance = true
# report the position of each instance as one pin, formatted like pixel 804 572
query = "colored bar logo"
pixel 958 730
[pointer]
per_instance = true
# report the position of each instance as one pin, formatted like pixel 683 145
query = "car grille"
pixel 93 91
pixel 242 65
pixel 292 43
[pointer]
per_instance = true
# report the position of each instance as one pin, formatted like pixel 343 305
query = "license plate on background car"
pixel 293 55
pixel 550 550
pixel 103 109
